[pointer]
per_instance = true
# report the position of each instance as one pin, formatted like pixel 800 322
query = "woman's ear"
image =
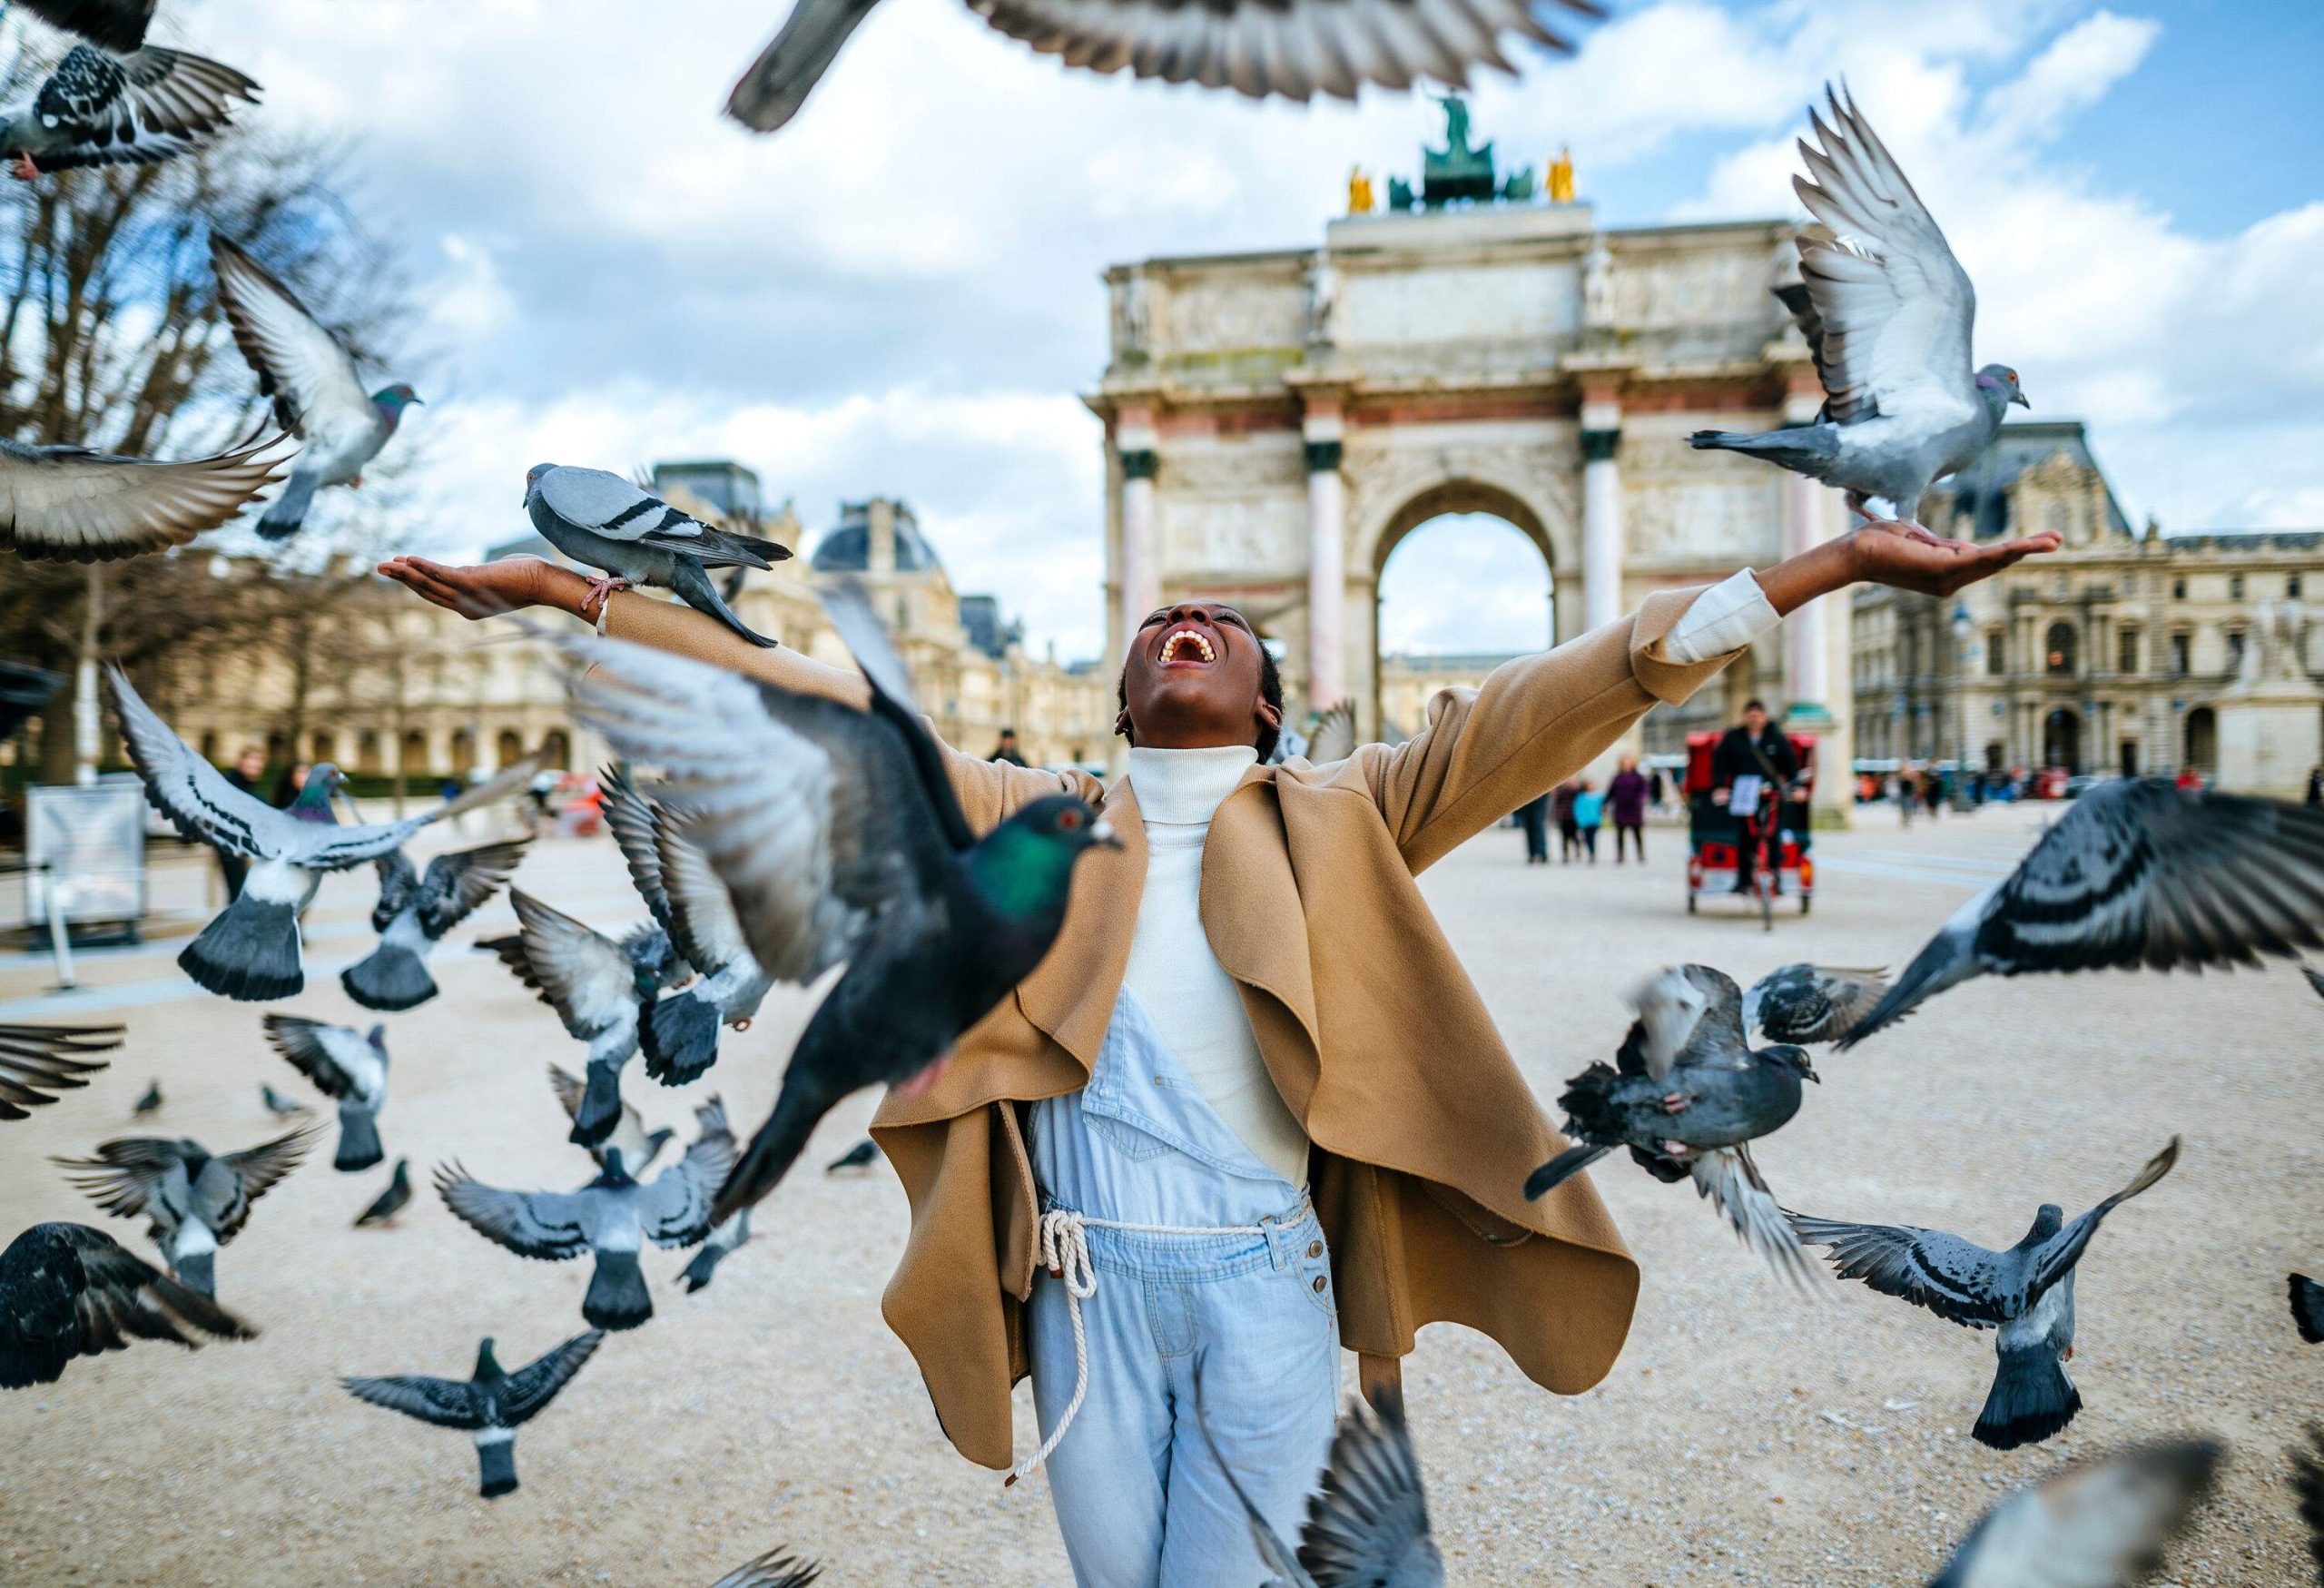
pixel 1122 727
pixel 1271 714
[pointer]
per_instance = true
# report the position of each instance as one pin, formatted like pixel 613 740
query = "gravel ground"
pixel 1745 1436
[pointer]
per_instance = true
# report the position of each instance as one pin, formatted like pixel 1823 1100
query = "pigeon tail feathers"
pixel 197 1271
pixel 250 952
pixel 617 1297
pixel 2031 1398
pixel 358 1141
pixel 2308 1307
pixel 600 1109
pixel 1807 450
pixel 679 1037
pixel 1561 1169
pixel 694 588
pixel 289 512
pixel 496 1459
pixel 391 978
pixel 799 1107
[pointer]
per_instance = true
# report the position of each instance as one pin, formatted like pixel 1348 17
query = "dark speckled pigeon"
pixel 491 1406
pixel 101 109
pixel 2100 1524
pixel 1810 1003
pixel 67 1290
pixel 2026 1292
pixel 1888 313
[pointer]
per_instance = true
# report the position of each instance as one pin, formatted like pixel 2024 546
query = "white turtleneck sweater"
pixel 1191 1001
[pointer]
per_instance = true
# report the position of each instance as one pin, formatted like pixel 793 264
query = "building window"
pixel 2234 650
pixel 1997 653
pixel 2126 651
pixel 2179 587
pixel 2235 587
pixel 2291 586
pixel 2057 657
pixel 2179 649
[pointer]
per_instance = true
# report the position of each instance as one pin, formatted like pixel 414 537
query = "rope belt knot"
pixel 1062 1246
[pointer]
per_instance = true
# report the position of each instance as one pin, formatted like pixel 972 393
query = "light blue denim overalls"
pixel 1139 1495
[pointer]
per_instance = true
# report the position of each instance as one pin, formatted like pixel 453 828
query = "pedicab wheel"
pixel 1803 902
pixel 1690 904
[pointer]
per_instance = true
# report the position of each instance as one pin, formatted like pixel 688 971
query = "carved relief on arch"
pixel 1395 483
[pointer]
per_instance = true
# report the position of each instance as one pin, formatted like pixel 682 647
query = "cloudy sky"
pixel 900 293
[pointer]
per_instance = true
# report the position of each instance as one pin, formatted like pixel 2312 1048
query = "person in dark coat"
pixel 1562 799
pixel 1534 817
pixel 1755 747
pixel 1007 749
pixel 1626 798
pixel 243 775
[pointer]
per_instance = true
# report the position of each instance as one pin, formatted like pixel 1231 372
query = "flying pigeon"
pixel 194 1203
pixel 611 1216
pixel 67 1290
pixel 863 1155
pixel 840 838
pixel 597 987
pixel 1688 1095
pixel 2098 1524
pixel 628 1135
pixel 778 1568
pixel 37 1061
pixel 2315 978
pixel 1887 312
pixel 1805 1004
pixel 2138 871
pixel 69 504
pixel 118 25
pixel 2308 1307
pixel 389 1202
pixel 2026 1292
pixel 101 109
pixel 2308 1483
pixel 1293 49
pixel 251 949
pixel 605 522
pixel 1333 738
pixel 679 1036
pixel 317 390
pixel 492 1404
pixel 1367 1524
pixel 151 1103
pixel 281 1107
pixel 414 911
pixel 349 1066
pixel 723 1241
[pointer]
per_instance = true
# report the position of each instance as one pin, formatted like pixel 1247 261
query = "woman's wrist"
pixel 1823 569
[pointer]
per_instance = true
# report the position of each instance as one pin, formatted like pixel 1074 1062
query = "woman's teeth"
pixel 1184 640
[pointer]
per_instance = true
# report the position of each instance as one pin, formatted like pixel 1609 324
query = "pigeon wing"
pixel 194 794
pixel 126 1173
pixel 399 887
pixel 1369 1524
pixel 1895 307
pixel 38 1061
pixel 229 1185
pixel 147 106
pixel 2056 1257
pixel 340 1060
pixel 528 1390
pixel 675 1209
pixel 631 820
pixel 548 1225
pixel 312 378
pixel 72 505
pixel 580 973
pixel 1731 1179
pixel 2100 1523
pixel 1811 1003
pixel 1334 735
pixel 457 885
pixel 70 1287
pixel 892 701
pixel 449 1403
pixel 702 915
pixel 778 1568
pixel 118 25
pixel 1952 1278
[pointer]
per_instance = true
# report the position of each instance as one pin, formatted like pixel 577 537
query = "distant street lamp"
pixel 1961 631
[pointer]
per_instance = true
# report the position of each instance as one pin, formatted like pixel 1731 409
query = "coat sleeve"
pixel 1536 722
pixel 988 789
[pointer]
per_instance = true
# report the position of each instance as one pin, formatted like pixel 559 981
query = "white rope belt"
pixel 1064 1251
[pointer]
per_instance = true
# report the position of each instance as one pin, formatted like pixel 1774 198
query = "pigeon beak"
pixel 1807 1071
pixel 1103 834
pixel 2020 401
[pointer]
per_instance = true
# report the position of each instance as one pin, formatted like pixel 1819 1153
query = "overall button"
pixel 1314 1249
pixel 1319 1285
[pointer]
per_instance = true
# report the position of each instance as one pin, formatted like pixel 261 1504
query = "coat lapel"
pixel 1250 898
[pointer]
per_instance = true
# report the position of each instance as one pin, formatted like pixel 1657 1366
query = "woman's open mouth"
pixel 1186 648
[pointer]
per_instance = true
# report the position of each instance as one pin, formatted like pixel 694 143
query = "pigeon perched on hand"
pixel 2308 1307
pixel 605 522
pixel 69 504
pixel 318 391
pixel 2138 871
pixel 37 1062
pixel 194 1203
pixel 628 1135
pixel 150 1103
pixel 2100 1524
pixel 679 1033
pixel 2026 1292
pixel 384 1208
pixel 251 950
pixel 1887 312
pixel 778 1568
pixel 840 839
pixel 492 1404
pixel 67 1290
pixel 612 1217
pixel 1293 49
pixel 101 109
pixel 281 1107
pixel 863 1155
pixel 350 1067
pixel 597 988
pixel 1688 1095
pixel 118 25
pixel 1804 1003
pixel 414 911
pixel 1367 1525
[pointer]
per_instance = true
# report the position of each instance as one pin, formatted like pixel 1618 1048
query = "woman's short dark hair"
pixel 1270 691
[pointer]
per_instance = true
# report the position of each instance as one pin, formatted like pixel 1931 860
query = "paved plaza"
pixel 1746 1436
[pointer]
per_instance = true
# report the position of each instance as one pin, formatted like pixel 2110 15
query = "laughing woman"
pixel 1250 1110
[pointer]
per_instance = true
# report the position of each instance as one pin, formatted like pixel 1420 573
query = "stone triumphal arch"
pixel 1276 422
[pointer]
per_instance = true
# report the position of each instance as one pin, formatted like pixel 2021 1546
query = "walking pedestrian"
pixel 1562 799
pixel 1588 813
pixel 1533 816
pixel 1626 799
pixel 244 774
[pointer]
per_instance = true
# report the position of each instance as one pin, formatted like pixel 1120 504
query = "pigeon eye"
pixel 1069 821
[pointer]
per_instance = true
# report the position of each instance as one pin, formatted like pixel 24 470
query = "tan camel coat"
pixel 1423 1131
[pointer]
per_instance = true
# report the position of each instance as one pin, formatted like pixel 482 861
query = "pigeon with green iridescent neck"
pixel 491 1406
pixel 317 390
pixel 838 835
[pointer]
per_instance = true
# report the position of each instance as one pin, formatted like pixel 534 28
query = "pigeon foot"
pixel 744 1024
pixel 22 168
pixel 601 589
pixel 1675 1102
pixel 1677 1149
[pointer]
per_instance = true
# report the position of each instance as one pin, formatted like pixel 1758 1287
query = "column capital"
pixel 1140 462
pixel 1599 446
pixel 1324 457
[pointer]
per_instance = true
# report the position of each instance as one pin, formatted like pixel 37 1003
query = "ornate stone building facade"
pixel 2125 652
pixel 391 685
pixel 1276 423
